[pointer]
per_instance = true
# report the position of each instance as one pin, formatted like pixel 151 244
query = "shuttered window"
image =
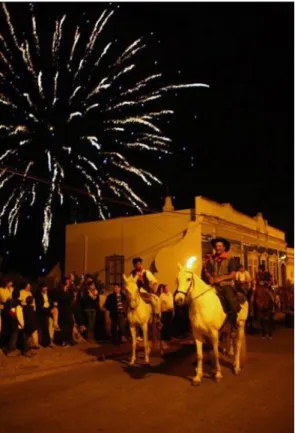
pixel 114 266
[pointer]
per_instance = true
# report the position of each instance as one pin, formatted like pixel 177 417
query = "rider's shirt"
pixel 145 277
pixel 220 265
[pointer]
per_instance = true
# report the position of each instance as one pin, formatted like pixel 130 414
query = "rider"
pixel 147 284
pixel 220 270
pixel 264 279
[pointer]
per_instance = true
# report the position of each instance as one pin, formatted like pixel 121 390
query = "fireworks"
pixel 66 128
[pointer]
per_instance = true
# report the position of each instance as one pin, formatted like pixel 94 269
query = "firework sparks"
pixel 72 127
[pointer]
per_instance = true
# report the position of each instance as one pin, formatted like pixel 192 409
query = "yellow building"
pixel 290 265
pixel 163 239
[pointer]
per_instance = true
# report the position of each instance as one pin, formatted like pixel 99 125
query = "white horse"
pixel 207 318
pixel 139 314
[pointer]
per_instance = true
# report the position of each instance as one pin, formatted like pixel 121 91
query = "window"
pixel 114 270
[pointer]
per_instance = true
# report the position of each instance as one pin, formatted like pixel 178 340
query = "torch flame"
pixel 190 262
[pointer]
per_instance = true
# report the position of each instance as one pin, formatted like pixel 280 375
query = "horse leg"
pixel 133 336
pixel 239 341
pixel 199 370
pixel 146 343
pixel 215 340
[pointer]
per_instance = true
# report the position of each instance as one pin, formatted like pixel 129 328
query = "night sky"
pixel 233 142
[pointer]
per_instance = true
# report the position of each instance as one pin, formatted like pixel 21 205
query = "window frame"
pixel 114 276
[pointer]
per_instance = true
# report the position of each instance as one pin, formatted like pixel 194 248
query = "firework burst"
pixel 71 112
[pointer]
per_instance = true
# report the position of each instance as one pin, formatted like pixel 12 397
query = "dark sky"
pixel 232 143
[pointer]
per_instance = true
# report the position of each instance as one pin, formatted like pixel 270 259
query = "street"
pixel 110 397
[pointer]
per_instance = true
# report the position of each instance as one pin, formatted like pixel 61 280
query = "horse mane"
pixel 201 283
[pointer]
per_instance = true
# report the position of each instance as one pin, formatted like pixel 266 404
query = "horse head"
pixel 131 290
pixel 186 281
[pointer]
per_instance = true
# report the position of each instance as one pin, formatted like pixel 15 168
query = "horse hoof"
pixel 196 381
pixel 237 371
pixel 217 379
pixel 131 363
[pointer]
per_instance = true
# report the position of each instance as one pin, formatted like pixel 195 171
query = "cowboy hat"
pixel 225 242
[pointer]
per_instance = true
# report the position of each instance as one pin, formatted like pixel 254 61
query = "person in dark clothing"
pixel 65 316
pixel 205 275
pixel 30 321
pixel 79 317
pixel 44 306
pixel 6 290
pixel 116 305
pixel 91 304
pixel 16 327
pixel 220 269
pixel 264 301
pixel 167 312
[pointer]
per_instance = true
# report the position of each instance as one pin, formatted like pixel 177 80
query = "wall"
pixel 254 228
pixel 88 244
pixel 170 237
pixel 290 264
pixel 168 257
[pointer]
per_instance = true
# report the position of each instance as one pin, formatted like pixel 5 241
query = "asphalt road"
pixel 109 397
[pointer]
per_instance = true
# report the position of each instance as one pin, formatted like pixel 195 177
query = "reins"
pixel 191 286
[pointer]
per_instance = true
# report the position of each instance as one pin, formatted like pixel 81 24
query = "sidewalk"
pixel 49 361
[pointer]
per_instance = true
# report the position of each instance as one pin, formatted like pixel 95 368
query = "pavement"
pixel 110 397
pixel 47 361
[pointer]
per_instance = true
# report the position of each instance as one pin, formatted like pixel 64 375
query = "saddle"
pixel 146 297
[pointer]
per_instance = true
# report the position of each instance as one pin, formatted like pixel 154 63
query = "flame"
pixel 190 262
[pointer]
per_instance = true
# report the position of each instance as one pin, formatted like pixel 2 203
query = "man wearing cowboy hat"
pixel 220 270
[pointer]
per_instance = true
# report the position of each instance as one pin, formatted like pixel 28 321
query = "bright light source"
pixel 190 262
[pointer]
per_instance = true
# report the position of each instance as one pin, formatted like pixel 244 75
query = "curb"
pixel 101 357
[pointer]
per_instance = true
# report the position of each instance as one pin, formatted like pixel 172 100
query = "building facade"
pixel 163 239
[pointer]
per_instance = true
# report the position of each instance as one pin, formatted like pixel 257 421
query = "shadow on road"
pixel 177 363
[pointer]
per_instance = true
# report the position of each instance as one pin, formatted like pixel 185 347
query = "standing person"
pixel 44 307
pixel 30 323
pixel 244 285
pixel 6 291
pixel 220 269
pixel 65 314
pixel 243 280
pixel 91 304
pixel 79 319
pixel 72 280
pixel 26 292
pixel 116 305
pixel 167 312
pixel 264 301
pixel 15 324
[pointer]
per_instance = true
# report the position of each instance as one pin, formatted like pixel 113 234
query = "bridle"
pixel 191 286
